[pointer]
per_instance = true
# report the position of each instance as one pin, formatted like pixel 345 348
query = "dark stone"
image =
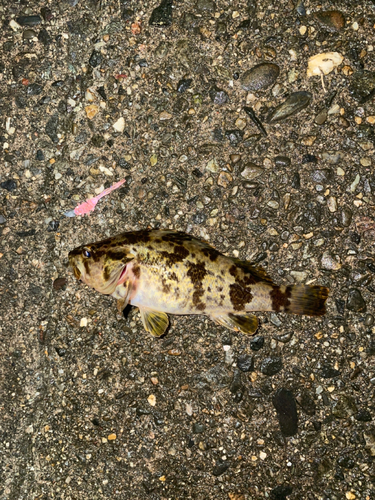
pixel 98 140
pixel 309 158
pixel 51 128
pixel 95 59
pixel 346 462
pixel 329 372
pixel 46 13
pixel 271 366
pixel 235 136
pixel 323 176
pixel 34 89
pixel 296 102
pixel 184 84
pixel 53 225
pixel 162 15
pixel 256 343
pixel 60 351
pixel 355 238
pixel 218 96
pixel 198 428
pixel 9 185
pixel 123 163
pixel 346 217
pixel 26 234
pixel 245 362
pixel 340 306
pixel 371 266
pixel 29 20
pixel 282 161
pixel 286 409
pixel 127 14
pixel 59 283
pixel 296 181
pixel 355 301
pixel 101 92
pixel 363 416
pixel 44 37
pixel 199 218
pixel 281 492
pixel 197 173
pixel 220 468
pixel 236 384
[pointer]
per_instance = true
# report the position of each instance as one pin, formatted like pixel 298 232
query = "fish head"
pixel 100 266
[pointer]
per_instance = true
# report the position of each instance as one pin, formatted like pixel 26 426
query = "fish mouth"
pixel 77 272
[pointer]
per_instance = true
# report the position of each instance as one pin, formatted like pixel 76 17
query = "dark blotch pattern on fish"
pixel 280 300
pixel 178 255
pixel 239 296
pixel 136 271
pixel 196 273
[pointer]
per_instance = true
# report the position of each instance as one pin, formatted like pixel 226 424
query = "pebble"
pixel 282 161
pixel 257 343
pixel 218 96
pixel 224 179
pixel 152 400
pixel 251 171
pixel 332 204
pixel 235 136
pixel 245 362
pixel 281 492
pixel 307 403
pixel 260 77
pixel 9 185
pixel 91 111
pixel 355 301
pixel 29 20
pixel 363 416
pixel 2 219
pixel 271 366
pixel 295 103
pixel 329 262
pixel 346 217
pixel 286 408
pixel 329 372
pixel 119 125
pixel 362 85
pixel 95 59
pixel 198 428
pixel 164 115
pixel 344 407
pixel 220 468
pixel 332 20
pixel 162 15
pixel 369 319
pixel 184 84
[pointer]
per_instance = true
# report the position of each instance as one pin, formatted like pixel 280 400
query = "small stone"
pixel 260 77
pixel 271 366
pixel 245 362
pixel 119 125
pixel 91 111
pixel 162 15
pixel 363 416
pixel 153 160
pixel 295 103
pixel 40 155
pixel 212 166
pixel 152 400
pixel 344 407
pixel 220 468
pixel 332 204
pixel 251 171
pixel 286 408
pixel 282 161
pixel 198 428
pixel 29 20
pixel 2 219
pixel 281 492
pixel 350 495
pixel 95 59
pixel 257 343
pixel 346 217
pixel 355 301
pixel 224 179
pixel 83 322
pixel 111 437
pixel 9 185
pixel 164 115
pixel 59 283
pixel 329 372
pixel 329 262
pixel 332 20
pixel 369 319
pixel 218 96
pixel 234 136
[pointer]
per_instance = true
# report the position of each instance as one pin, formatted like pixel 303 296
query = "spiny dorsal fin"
pixel 254 269
pixel 155 322
pixel 245 323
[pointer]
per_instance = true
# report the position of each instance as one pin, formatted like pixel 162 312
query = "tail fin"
pixel 307 300
pixel 299 299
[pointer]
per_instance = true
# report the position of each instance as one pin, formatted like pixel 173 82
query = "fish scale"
pixel 169 272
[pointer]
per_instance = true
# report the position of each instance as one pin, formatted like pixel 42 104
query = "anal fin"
pixel 155 322
pixel 245 323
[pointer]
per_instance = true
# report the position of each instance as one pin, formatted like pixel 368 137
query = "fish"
pixel 166 272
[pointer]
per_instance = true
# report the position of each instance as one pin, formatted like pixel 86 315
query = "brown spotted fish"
pixel 167 272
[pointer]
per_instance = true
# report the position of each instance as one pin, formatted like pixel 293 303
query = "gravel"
pixel 206 109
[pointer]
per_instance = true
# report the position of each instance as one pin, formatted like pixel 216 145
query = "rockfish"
pixel 169 272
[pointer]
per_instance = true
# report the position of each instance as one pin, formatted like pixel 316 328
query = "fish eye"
pixel 86 253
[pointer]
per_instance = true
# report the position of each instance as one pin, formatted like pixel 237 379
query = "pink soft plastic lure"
pixel 90 204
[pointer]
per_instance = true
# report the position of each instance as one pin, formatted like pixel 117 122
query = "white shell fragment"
pixel 323 63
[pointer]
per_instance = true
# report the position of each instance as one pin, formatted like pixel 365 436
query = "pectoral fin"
pixel 155 322
pixel 245 323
